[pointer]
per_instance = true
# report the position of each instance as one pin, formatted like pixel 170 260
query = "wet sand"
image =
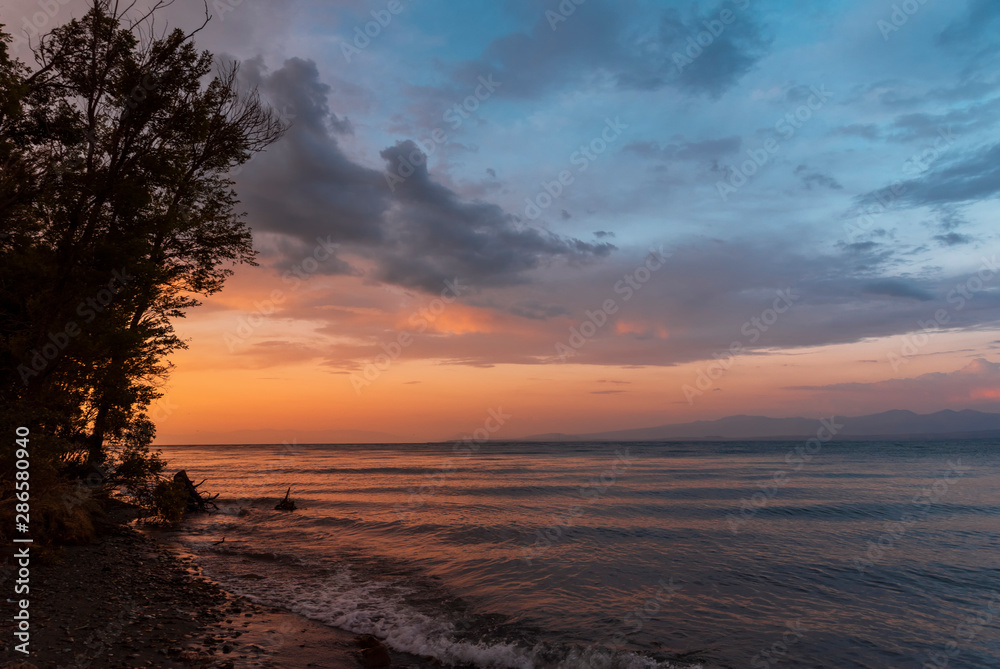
pixel 128 601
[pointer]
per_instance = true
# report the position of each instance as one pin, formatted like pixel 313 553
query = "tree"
pixel 115 214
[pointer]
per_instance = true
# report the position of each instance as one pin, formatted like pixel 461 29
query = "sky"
pixel 590 215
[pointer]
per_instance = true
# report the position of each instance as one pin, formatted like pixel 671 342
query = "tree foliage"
pixel 116 213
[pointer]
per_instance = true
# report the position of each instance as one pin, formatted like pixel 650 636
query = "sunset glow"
pixel 548 222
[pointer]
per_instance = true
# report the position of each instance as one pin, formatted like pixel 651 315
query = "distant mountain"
pixel 898 424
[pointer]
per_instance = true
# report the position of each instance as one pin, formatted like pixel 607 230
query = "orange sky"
pixel 293 376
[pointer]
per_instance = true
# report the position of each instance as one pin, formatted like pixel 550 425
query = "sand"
pixel 128 601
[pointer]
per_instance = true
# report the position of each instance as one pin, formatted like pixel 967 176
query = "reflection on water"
pixel 629 555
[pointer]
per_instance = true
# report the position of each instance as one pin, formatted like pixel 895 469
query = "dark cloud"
pixel 812 178
pixel 412 230
pixel 708 69
pixel 961 121
pixel 897 288
pixel 596 38
pixel 536 311
pixel 304 185
pixel 967 178
pixel 950 218
pixel 978 21
pixel 704 298
pixel 860 247
pixel 530 63
pixel 437 236
pixel 953 239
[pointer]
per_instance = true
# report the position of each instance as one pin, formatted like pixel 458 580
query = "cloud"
pixel 709 67
pixel 868 131
pixel 439 236
pixel 953 239
pixel 977 22
pixel 708 150
pixel 413 232
pixel 976 384
pixel 812 178
pixel 971 177
pixel 961 121
pixel 897 288
pixel 704 298
pixel 597 38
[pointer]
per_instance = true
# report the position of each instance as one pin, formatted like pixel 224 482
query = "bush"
pixel 62 512
pixel 170 500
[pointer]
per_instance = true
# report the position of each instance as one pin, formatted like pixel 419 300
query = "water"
pixel 873 554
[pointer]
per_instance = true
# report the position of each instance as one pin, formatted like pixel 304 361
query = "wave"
pixel 379 607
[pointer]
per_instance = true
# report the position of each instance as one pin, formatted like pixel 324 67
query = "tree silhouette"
pixel 115 214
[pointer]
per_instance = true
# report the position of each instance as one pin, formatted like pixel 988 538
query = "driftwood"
pixel 195 500
pixel 286 504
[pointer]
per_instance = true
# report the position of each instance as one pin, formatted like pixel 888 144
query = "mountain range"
pixel 895 424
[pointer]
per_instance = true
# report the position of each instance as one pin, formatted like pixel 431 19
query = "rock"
pixel 376 657
pixel 366 641
pixel 373 653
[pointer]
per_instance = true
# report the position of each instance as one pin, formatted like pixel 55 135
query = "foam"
pixel 377 607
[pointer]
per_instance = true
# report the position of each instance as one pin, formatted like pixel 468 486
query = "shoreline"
pixel 131 600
